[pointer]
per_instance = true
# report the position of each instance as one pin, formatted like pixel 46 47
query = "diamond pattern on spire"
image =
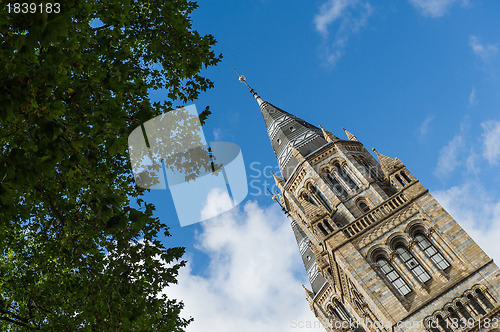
pixel 283 129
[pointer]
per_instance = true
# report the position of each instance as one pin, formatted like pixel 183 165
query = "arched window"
pixel 345 174
pixel 443 324
pixel 370 169
pixel 328 226
pixel 316 194
pixel 454 318
pixel 324 199
pixel 335 185
pixel 322 229
pixel 476 305
pixel 405 177
pixel 339 311
pixel 393 276
pixel 484 299
pixel 309 198
pixel 363 206
pixel 431 251
pixel 400 180
pixel 461 309
pixel 412 264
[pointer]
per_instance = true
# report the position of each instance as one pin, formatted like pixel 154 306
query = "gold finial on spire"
pixel 242 79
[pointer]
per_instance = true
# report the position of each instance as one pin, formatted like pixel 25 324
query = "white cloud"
pixel 218 202
pixel 477 212
pixel 424 127
pixel 491 141
pixel 251 282
pixel 484 52
pixel 351 16
pixel 435 8
pixel 217 134
pixel 473 97
pixel 475 208
pixel 330 12
pixel 451 156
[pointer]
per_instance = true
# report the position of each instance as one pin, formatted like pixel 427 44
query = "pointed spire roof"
pixel 309 294
pixel 350 136
pixel 286 131
pixel 296 153
pixel 388 164
pixel 308 258
pixel 329 137
pixel 279 181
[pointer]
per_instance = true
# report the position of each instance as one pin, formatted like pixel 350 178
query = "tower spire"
pixel 286 131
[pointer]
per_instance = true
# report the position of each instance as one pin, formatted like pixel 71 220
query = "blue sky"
pixel 416 79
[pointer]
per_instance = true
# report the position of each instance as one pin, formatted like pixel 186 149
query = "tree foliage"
pixel 74 254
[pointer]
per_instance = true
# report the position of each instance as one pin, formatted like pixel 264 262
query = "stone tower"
pixel 380 252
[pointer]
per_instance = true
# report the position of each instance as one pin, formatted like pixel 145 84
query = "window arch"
pixel 405 177
pixel 443 324
pixel 328 226
pixel 431 251
pixel 370 168
pixel 393 276
pixel 333 182
pixel 403 183
pixel 339 311
pixel 308 197
pixel 344 173
pixel 476 305
pixel 461 309
pixel 453 316
pixel 363 206
pixel 484 299
pixel 412 264
pixel 318 196
pixel 322 229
